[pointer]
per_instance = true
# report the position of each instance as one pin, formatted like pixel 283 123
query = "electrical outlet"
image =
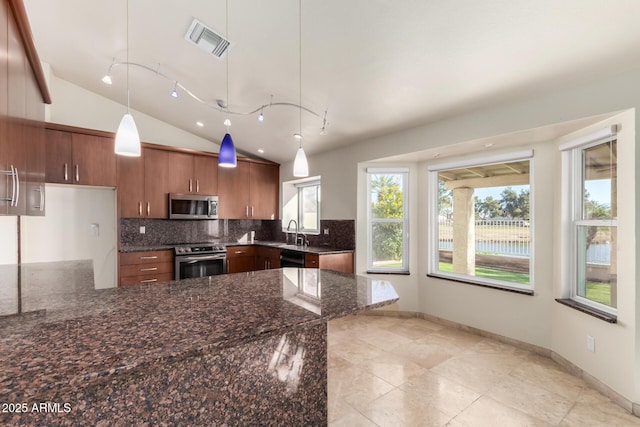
pixel 591 344
pixel 326 231
pixel 95 229
pixel 143 229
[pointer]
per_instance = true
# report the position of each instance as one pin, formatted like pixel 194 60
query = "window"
pixel 309 207
pixel 302 204
pixel 481 221
pixel 594 231
pixel 388 224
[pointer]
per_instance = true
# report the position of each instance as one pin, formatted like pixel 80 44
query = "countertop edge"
pixel 277 245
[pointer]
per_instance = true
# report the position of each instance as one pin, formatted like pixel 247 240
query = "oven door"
pixel 187 267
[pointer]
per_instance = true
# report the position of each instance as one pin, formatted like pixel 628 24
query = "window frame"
pixel 433 269
pixel 301 187
pixel 576 197
pixel 404 269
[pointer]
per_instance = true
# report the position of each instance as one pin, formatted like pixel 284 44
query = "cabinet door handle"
pixel 148 281
pixel 149 269
pixel 77 173
pixel 246 211
pixel 40 207
pixel 148 208
pixel 240 252
pixel 251 211
pixel 17 187
pixel 190 185
pixel 197 185
pixel 227 266
pixel 66 172
pixel 139 208
pixel 149 257
pixel 14 173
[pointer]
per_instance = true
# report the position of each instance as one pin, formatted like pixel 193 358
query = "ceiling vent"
pixel 207 39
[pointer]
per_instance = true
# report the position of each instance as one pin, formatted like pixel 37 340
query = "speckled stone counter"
pixel 238 349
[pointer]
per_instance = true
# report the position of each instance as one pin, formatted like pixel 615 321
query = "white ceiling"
pixel 375 65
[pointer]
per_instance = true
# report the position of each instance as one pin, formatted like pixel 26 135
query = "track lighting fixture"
pixel 174 94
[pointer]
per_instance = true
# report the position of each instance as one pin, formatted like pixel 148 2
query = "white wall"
pixel 539 319
pixel 75 106
pixel 65 232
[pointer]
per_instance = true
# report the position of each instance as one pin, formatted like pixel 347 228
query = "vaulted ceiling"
pixel 375 65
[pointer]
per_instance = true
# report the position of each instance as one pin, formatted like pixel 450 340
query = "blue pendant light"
pixel 227 154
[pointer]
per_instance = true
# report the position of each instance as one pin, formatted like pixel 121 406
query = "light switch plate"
pixel 591 344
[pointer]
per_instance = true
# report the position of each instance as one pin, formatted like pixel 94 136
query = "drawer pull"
pixel 241 252
pixel 149 269
pixel 149 281
pixel 149 257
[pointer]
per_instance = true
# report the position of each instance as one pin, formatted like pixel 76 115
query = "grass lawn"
pixel 596 291
pixel 491 273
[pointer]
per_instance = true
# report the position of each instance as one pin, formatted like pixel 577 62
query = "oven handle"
pixel 193 259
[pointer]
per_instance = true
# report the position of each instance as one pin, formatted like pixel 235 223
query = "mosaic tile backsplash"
pixel 341 233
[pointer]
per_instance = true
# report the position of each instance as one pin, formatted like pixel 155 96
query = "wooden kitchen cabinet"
pixel 250 190
pixel 137 268
pixel 15 155
pixel 141 185
pixel 241 259
pixel 193 174
pixel 22 97
pixel 338 262
pixel 233 191
pixel 76 157
pixel 144 182
pixel 267 258
pixel 34 189
pixel 264 185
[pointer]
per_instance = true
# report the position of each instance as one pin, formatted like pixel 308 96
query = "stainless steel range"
pixel 200 260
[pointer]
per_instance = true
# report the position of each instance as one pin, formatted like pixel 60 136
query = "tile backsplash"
pixel 341 233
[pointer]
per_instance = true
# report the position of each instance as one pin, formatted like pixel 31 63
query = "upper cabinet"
pixel 193 174
pixel 23 94
pixel 75 156
pixel 250 190
pixel 144 183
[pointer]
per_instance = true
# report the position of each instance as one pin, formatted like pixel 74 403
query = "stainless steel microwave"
pixel 193 206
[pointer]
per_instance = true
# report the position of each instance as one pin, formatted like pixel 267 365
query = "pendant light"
pixel 227 155
pixel 127 137
pixel 300 165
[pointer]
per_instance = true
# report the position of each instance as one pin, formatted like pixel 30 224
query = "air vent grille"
pixel 207 39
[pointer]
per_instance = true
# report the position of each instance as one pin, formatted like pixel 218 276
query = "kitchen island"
pixel 236 349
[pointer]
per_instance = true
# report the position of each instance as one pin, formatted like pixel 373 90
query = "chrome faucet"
pixel 289 228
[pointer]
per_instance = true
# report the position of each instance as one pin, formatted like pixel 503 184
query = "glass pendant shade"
pixel 227 155
pixel 127 138
pixel 300 165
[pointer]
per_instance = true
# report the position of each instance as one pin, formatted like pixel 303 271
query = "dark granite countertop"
pixel 102 332
pixel 319 250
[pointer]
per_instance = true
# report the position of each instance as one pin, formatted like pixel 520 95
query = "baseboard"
pixel 631 407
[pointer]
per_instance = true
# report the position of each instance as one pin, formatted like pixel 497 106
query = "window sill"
pixel 484 285
pixel 602 315
pixel 399 273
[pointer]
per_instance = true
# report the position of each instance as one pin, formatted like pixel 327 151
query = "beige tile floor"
pixel 387 371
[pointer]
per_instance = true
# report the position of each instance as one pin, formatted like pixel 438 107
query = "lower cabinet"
pixel 241 259
pixel 267 258
pixel 138 268
pixel 342 262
